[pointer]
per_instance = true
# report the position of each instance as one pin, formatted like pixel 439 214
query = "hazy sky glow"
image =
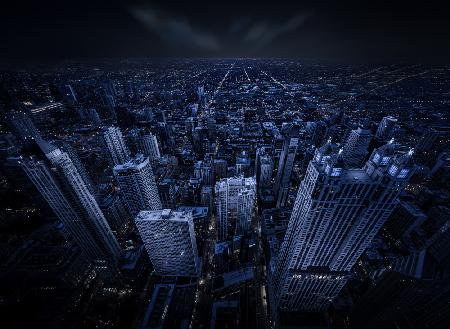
pixel 314 29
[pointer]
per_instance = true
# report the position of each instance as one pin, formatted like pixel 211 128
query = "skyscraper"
pixel 115 211
pixel 137 185
pixel 59 182
pixel 149 146
pixel 204 171
pixel 386 128
pixel 232 195
pixel 23 126
pixel 115 144
pixel 427 140
pixel 285 165
pixel 356 147
pixel 245 206
pixel 264 170
pixel 169 238
pixel 336 214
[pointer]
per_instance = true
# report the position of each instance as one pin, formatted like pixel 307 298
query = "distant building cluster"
pixel 228 193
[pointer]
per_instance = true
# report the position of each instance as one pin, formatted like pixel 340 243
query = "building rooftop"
pixel 167 214
pixel 138 162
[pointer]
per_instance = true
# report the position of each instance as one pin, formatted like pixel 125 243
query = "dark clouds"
pixel 52 31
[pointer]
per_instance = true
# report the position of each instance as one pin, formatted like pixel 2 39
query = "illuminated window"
pixel 336 172
pixel 324 158
pixel 385 160
pixel 403 173
pixel 393 170
pixel 376 158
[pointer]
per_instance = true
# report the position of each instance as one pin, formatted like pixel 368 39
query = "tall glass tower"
pixel 337 213
pixel 62 186
pixel 137 185
pixel 116 146
pixel 285 166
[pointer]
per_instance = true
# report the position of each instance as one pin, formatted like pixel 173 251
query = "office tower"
pixel 204 171
pixel 169 239
pixel 137 185
pixel 386 128
pixel 285 165
pixel 189 124
pixel 23 126
pixel 212 127
pixel 242 163
pixel 207 197
pixel 65 147
pixel 167 193
pixel 443 161
pixel 336 214
pixel 149 146
pixel 68 93
pixel 264 168
pixel 148 114
pixel 427 140
pixel 356 147
pixel 406 218
pixel 317 132
pixel 245 206
pixel 220 169
pixel 439 243
pixel 117 149
pixel 115 211
pixel 94 117
pixel 229 196
pixel 400 301
pixel 66 193
pixel 133 140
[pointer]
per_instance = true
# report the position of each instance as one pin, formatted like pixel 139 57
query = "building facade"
pixel 337 213
pixel 285 166
pixel 116 146
pixel 137 185
pixel 231 195
pixel 169 238
pixel 59 182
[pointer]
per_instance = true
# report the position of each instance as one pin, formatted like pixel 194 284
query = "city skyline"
pixel 225 193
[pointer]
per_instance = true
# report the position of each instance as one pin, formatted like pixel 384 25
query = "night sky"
pixel 344 30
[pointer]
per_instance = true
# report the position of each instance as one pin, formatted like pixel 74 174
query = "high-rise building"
pixel 149 146
pixel 115 211
pixel 337 213
pixel 207 197
pixel 285 165
pixel 133 140
pixel 356 147
pixel 406 218
pixel 67 148
pixel 167 193
pixel 23 126
pixel 242 164
pixel 204 171
pixel 264 168
pixel 59 182
pixel 427 140
pixel 115 143
pixel 137 185
pixel 231 196
pixel 169 238
pixel 400 301
pixel 245 206
pixel 220 168
pixel 386 128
